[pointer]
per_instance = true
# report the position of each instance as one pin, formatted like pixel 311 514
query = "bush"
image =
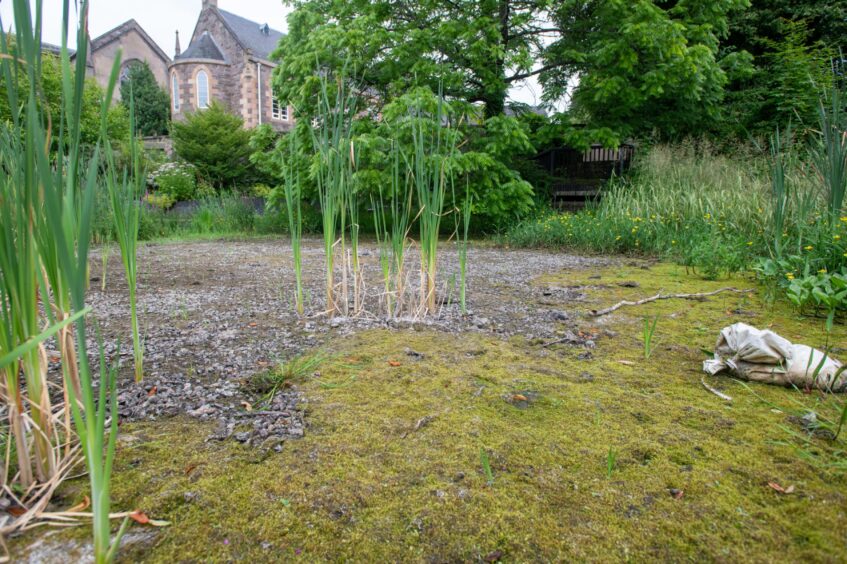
pixel 216 143
pixel 175 180
pixel 160 200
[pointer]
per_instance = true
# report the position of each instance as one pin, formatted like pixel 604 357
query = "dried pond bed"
pixel 388 465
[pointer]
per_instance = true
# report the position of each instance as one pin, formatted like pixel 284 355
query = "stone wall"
pixel 133 46
pixel 186 72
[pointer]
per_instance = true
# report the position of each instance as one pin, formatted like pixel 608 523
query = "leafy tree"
pixel 51 89
pixel 215 142
pixel 152 104
pixel 641 65
pixel 791 44
pixel 476 48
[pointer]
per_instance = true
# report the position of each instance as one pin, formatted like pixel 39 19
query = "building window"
pixel 175 91
pixel 202 90
pixel 278 111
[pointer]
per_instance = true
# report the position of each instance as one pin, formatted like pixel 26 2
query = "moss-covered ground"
pixel 391 469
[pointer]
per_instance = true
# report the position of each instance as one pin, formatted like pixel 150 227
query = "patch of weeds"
pixel 486 467
pixel 611 460
pixel 647 335
pixel 286 373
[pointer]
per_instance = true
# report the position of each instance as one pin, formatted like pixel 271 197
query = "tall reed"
pixel 331 136
pixel 433 145
pixel 829 151
pixel 125 191
pixel 392 230
pixel 294 206
pixel 467 206
pixel 48 195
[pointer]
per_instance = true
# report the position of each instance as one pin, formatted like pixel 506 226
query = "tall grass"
pixel 294 207
pixel 392 221
pixel 331 137
pixel 47 193
pixel 125 191
pixel 715 212
pixel 433 144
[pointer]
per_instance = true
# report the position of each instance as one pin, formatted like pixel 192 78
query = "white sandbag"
pixel 763 356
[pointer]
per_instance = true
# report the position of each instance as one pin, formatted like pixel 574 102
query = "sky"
pixel 161 18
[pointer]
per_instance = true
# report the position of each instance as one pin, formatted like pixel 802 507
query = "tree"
pixel 477 49
pixel 215 142
pixel 641 65
pixel 152 104
pixel 791 45
pixel 51 96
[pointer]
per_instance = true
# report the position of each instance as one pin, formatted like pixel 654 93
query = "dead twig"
pixel 660 296
pixel 721 395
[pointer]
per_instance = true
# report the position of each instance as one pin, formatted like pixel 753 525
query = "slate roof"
pixel 257 37
pixel 204 48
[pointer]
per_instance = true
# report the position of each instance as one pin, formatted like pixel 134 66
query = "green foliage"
pixel 216 143
pixel 175 180
pixel 642 65
pixel 152 103
pixel 159 200
pixel 647 335
pixel 713 212
pixel 475 50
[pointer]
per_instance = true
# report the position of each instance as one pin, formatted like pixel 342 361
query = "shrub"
pixel 216 143
pixel 159 200
pixel 152 104
pixel 175 180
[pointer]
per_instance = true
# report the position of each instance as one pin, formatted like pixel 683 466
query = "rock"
pixel 242 437
pixel 586 377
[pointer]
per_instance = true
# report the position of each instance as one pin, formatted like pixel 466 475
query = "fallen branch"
pixel 660 296
pixel 721 395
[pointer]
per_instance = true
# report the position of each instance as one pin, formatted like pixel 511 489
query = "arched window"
pixel 175 91
pixel 202 90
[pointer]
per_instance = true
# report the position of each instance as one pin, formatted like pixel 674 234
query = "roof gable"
pixel 116 33
pixel 258 38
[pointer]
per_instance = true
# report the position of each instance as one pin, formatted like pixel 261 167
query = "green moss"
pixel 390 466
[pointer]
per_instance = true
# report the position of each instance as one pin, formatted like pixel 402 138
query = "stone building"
pixel 227 60
pixel 135 45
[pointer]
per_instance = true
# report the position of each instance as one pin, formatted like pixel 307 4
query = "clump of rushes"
pixel 294 206
pixel 433 145
pixel 333 174
pixel 392 232
pixel 45 231
pixel 125 192
pixel 462 241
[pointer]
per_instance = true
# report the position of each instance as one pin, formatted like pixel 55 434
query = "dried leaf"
pixel 626 362
pixel 81 506
pixel 246 405
pixel 776 487
pixel 152 391
pixel 252 324
pixel 139 517
pixel 190 468
pixel 393 363
pixel 789 489
pixel 519 397
pixel 16 510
